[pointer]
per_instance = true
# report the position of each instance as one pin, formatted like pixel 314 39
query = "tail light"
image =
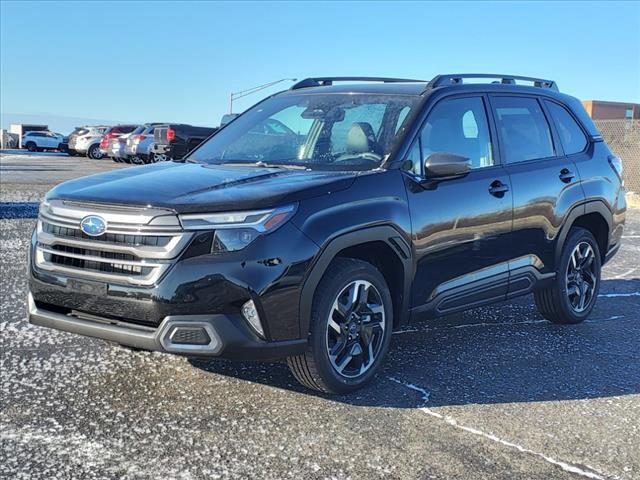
pixel 104 143
pixel 171 134
pixel 139 138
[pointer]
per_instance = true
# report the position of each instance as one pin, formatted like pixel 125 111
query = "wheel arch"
pixel 594 216
pixel 382 246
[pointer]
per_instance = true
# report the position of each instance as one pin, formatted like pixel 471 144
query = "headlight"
pixel 44 206
pixel 236 230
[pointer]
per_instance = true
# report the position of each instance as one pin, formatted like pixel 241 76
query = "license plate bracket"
pixel 87 286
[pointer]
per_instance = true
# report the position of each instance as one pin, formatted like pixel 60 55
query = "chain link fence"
pixel 623 137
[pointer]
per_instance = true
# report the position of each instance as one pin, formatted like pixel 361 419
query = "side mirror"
pixel 444 166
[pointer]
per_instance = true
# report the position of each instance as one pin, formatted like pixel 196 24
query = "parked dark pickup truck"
pixel 176 140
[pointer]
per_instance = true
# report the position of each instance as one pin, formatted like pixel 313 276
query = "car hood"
pixel 191 187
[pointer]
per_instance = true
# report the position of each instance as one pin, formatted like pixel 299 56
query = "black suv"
pixel 328 215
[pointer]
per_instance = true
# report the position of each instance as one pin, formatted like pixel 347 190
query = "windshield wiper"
pixel 283 165
pixel 262 164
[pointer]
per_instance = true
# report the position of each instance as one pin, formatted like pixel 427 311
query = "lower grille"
pixel 80 260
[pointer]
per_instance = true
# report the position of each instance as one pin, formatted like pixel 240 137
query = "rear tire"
pixel 94 152
pixel 31 146
pixel 573 294
pixel 157 157
pixel 350 329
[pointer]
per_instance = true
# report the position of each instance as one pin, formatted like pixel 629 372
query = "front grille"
pixel 138 246
pixel 137 240
pixel 94 253
pixel 111 267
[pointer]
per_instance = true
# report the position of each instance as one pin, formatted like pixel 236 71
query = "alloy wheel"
pixel 581 277
pixel 95 153
pixel 355 329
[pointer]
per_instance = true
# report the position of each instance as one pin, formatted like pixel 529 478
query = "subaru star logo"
pixel 93 225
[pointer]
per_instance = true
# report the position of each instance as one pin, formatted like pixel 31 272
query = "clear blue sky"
pixel 178 61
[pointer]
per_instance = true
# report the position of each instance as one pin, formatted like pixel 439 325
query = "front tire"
pixel 94 152
pixel 573 294
pixel 350 329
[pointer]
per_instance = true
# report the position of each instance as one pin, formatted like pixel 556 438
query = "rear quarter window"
pixel 571 135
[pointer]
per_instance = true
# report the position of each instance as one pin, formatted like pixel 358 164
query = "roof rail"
pixel 458 78
pixel 322 81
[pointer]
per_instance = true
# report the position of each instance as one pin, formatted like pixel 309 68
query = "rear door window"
pixel 523 129
pixel 571 135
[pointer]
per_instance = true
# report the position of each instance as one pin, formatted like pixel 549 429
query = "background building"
pixel 601 110
pixel 20 129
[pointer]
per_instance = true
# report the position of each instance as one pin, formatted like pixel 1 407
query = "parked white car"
pixel 38 141
pixel 86 141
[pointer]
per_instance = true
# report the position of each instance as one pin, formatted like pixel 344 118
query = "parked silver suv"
pixel 86 141
pixel 139 143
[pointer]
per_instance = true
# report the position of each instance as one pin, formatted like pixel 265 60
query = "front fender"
pixel 383 233
pixel 374 208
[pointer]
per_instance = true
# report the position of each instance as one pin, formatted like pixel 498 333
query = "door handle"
pixel 498 189
pixel 566 175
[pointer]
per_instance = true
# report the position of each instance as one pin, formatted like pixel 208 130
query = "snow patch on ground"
pixel 587 471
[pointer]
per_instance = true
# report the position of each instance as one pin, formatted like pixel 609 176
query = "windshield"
pixel 341 131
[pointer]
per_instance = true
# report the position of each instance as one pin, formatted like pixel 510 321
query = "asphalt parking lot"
pixel 494 393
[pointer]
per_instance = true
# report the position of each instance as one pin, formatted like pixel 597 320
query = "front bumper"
pixel 196 288
pixel 219 335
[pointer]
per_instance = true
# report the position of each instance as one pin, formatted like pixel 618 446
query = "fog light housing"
pixel 250 313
